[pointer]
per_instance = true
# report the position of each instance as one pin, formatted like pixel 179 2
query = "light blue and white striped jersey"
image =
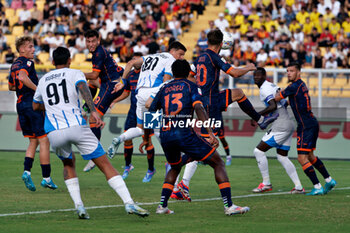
pixel 153 69
pixel 58 91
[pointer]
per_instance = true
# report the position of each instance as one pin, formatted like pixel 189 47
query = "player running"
pixel 130 89
pixel 155 70
pixel 23 80
pixel 178 99
pixel 105 68
pixel 278 136
pixel 206 70
pixel 307 130
pixel 58 95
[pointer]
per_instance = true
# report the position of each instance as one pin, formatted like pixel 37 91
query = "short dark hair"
pixel 180 69
pixel 138 54
pixel 215 37
pixel 22 40
pixel 177 45
pixel 260 69
pixel 295 64
pixel 61 56
pixel 91 33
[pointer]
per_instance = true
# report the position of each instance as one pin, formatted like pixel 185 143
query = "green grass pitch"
pixel 269 213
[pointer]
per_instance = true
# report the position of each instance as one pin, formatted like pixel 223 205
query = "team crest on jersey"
pixel 199 91
pixel 29 63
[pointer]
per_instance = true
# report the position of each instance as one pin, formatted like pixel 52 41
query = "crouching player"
pixel 58 94
pixel 178 99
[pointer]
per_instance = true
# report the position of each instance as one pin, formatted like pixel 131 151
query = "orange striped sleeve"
pixel 197 102
pixel 281 95
pixel 243 99
pixel 97 70
pixel 228 71
pixel 24 71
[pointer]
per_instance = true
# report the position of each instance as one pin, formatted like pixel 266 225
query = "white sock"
pixel 117 183
pixel 28 172
pixel 131 133
pixel 317 186
pixel 290 169
pixel 261 119
pixel 176 182
pixel 263 165
pixel 329 179
pixel 157 134
pixel 47 179
pixel 74 191
pixel 190 169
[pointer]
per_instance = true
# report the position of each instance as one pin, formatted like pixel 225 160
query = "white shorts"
pixel 81 136
pixel 279 139
pixel 143 94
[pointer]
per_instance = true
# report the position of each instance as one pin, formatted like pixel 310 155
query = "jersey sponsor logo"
pixel 29 63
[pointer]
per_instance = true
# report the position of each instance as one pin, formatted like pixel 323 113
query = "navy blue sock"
pixel 150 158
pixel 227 150
pixel 128 150
pixel 318 164
pixel 310 172
pixel 166 192
pixel 45 170
pixel 97 132
pixel 225 190
pixel 28 163
pixel 248 108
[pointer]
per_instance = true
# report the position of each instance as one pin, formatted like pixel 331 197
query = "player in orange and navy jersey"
pixel 178 99
pixel 107 70
pixel 23 80
pixel 307 130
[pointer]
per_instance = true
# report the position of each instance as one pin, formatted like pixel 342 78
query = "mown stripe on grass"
pixel 152 203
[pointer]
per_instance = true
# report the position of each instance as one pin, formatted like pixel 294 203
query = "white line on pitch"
pixel 150 203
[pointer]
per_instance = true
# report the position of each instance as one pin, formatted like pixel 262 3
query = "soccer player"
pixel 155 70
pixel 130 87
pixel 23 80
pixel 105 68
pixel 58 95
pixel 307 130
pixel 278 136
pixel 178 99
pixel 206 70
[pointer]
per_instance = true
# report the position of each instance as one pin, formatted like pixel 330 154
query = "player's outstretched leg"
pixel 244 104
pixel 318 164
pixel 128 135
pixel 72 183
pixel 117 183
pixel 224 186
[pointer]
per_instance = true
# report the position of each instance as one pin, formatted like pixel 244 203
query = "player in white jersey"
pixel 58 95
pixel 278 136
pixel 155 70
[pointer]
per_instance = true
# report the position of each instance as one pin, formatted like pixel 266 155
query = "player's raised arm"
pixel 136 63
pixel 85 92
pixel 123 96
pixel 238 72
pixel 92 75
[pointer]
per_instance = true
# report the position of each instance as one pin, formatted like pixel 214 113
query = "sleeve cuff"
pixel 281 95
pixel 169 74
pixel 79 81
pixel 229 69
pixel 97 70
pixel 193 73
pixel 24 71
pixel 38 102
pixel 197 102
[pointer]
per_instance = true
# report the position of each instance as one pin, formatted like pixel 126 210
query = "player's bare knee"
pixel 237 94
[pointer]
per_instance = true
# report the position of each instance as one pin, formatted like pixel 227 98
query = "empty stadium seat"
pixel 79 58
pixel 327 82
pixel 9 12
pixel 44 57
pixel 17 30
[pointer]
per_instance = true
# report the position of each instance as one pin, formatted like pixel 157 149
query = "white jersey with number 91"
pixel 57 90
pixel 154 68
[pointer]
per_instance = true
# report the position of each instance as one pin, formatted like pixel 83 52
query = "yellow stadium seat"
pixel 341 81
pixel 17 30
pixel 313 82
pixel 256 92
pixel 79 58
pixel 9 12
pixel 11 39
pixel 3 77
pixel 44 57
pixel 333 93
pixel 345 93
pixel 18 11
pixel 327 82
pixel 13 20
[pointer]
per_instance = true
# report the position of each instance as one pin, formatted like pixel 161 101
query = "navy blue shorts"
pixel 306 139
pixel 194 146
pixel 105 97
pixel 215 112
pixel 131 119
pixel 32 123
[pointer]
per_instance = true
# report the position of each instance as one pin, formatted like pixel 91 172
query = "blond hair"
pixel 22 40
